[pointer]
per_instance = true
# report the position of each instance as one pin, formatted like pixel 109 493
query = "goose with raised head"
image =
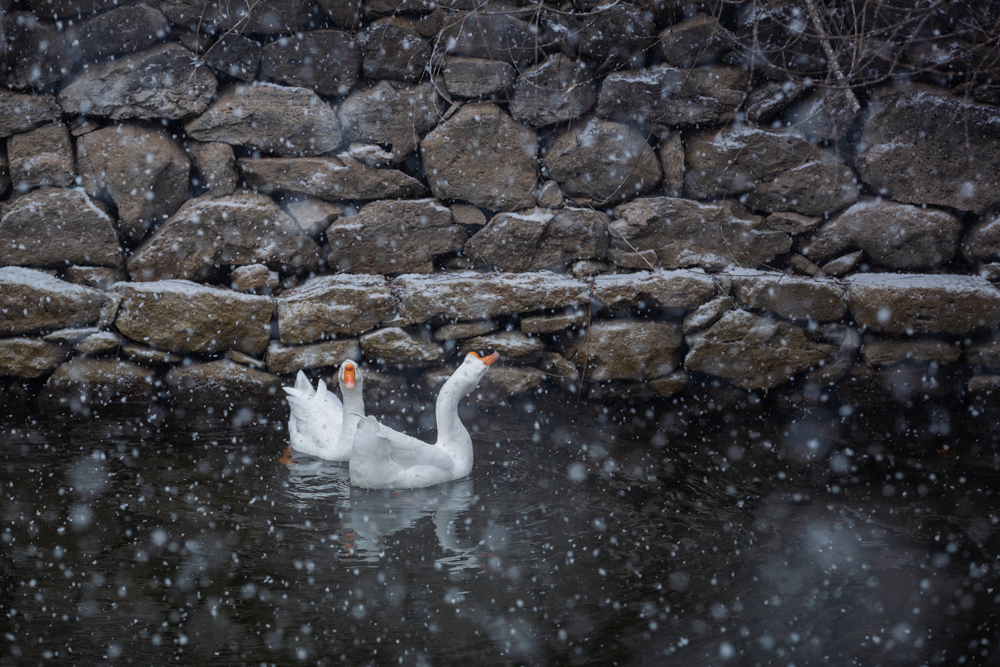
pixel 320 425
pixel 383 458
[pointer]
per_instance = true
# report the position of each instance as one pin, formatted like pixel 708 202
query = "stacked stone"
pixel 201 198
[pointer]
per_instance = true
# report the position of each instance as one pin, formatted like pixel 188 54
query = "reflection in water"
pixel 579 538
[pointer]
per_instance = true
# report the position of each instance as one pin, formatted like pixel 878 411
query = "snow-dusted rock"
pixel 878 351
pixel 142 169
pixel 602 161
pixel 698 40
pixel 626 349
pixel 777 171
pixel 754 352
pixel 182 316
pixel 236 56
pixel 330 178
pixel 30 357
pixel 539 239
pixel 207 234
pixel 270 118
pixel 33 301
pixel 166 81
pixel 121 30
pixel 393 346
pixel 56 226
pixel 621 37
pixel 679 290
pixel 467 295
pixel 328 61
pixel 483 156
pixel 39 157
pixel 544 324
pixel 555 90
pixel 707 95
pixel 896 303
pixel 794 297
pixel 20 112
pixel 393 115
pixel 478 77
pixel 394 49
pixel 676 233
pixel 897 236
pixel 285 359
pixel 514 347
pixel 462 330
pixel 402 236
pixel 335 305
pixel 493 30
pixel 216 163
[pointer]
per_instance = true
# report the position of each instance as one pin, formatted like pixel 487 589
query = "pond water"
pixel 623 536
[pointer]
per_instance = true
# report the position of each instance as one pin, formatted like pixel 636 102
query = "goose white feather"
pixel 320 424
pixel 384 458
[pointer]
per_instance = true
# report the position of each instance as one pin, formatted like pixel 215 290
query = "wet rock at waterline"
pixel 679 290
pixel 83 383
pixel 923 145
pixel 30 357
pixel 540 239
pixel 754 352
pixel 896 236
pixel 287 359
pixel 181 316
pixel 270 118
pixel 483 156
pixel 328 306
pixel 393 346
pixel 223 382
pixel 626 349
pixel 330 178
pixel 33 301
pixel 247 228
pixel 143 171
pixel 896 303
pixel 466 295
pixel 776 171
pixel 676 233
pixel 166 81
pixel 40 157
pixel 51 227
pixel 700 96
pixel 393 237
pixel 327 61
pixel 602 162
pixel 391 115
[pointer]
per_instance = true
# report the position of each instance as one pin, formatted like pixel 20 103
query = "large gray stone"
pixel 121 30
pixel 886 352
pixel 284 359
pixel 33 301
pixel 707 95
pixel 393 346
pixel 329 306
pixel 269 17
pixel 35 53
pixel 896 303
pixel 539 239
pixel 922 145
pixel 236 56
pixel 825 114
pixel 677 233
pixel 698 40
pixel 897 236
pixel 467 295
pixel 391 115
pixel 776 171
pixel 483 156
pixel 30 357
pixel 330 178
pixel 143 171
pixel 754 352
pixel 246 228
pixel 478 77
pixel 216 163
pixel 794 297
pixel 602 162
pixel 328 61
pixel 166 81
pixel 514 347
pixel 555 90
pixel 402 236
pixel 39 157
pixel 493 30
pixel 626 349
pixel 51 227
pixel 181 316
pixel 680 290
pixel 617 33
pixel 269 118
pixel 393 49
pixel 20 112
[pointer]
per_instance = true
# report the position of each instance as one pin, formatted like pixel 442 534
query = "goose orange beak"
pixel 349 377
pixel 489 359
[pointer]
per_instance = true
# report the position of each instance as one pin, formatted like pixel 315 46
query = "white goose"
pixel 320 425
pixel 383 458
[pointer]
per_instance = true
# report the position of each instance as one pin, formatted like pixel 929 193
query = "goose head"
pixel 468 375
pixel 350 377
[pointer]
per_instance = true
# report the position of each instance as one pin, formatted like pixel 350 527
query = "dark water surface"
pixel 580 538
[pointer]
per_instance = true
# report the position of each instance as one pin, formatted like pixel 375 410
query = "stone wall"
pixel 199 202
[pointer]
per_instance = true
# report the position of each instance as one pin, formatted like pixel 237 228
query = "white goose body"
pixel 384 458
pixel 320 425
